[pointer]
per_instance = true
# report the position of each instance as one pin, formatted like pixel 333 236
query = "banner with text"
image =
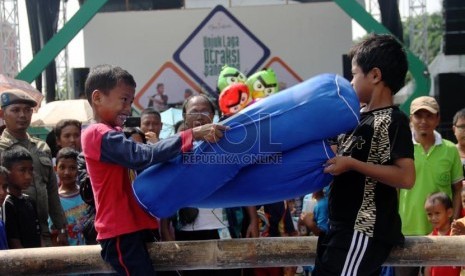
pixel 220 40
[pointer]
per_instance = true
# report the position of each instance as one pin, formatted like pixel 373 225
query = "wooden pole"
pixel 216 254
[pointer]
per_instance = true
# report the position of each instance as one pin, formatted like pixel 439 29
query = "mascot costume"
pixel 229 75
pixel 262 84
pixel 233 98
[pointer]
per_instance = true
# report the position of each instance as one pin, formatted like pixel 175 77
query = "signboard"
pixel 176 87
pixel 286 76
pixel 220 39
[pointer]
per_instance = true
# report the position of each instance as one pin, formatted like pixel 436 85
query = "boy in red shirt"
pixel 120 222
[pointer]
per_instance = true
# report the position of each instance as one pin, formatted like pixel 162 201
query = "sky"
pixel 76 46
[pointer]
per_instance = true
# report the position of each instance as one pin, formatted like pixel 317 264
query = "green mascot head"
pixel 263 83
pixel 229 75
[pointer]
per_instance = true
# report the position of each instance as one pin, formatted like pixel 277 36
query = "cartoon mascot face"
pixel 229 75
pixel 233 98
pixel 263 83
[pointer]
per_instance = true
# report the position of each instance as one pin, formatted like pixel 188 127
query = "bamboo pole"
pixel 216 254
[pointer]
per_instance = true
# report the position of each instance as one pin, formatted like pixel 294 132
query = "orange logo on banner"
pixel 286 76
pixel 176 84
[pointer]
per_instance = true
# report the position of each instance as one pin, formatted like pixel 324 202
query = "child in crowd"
pixel 19 211
pixel 70 198
pixel 3 192
pixel 68 134
pixel 373 161
pixel 438 207
pixel 120 221
pixel 317 221
pixel 314 217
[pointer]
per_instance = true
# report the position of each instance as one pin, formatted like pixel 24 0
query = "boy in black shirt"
pixel 371 163
pixel 19 211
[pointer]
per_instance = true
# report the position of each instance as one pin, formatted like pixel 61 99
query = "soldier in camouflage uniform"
pixel 16 111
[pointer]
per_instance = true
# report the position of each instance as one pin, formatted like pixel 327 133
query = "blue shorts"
pixel 128 254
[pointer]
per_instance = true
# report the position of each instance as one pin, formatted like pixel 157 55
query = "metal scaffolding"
pixel 62 59
pixel 9 38
pixel 418 33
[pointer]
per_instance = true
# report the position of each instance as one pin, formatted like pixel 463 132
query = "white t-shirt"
pixel 208 219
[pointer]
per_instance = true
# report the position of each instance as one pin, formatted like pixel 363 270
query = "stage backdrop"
pixel 185 49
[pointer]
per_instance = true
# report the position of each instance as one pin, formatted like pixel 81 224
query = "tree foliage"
pixel 435 31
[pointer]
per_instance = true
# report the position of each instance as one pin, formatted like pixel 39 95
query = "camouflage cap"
pixel 16 96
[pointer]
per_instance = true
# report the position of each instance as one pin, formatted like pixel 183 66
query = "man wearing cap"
pixel 16 111
pixel 437 165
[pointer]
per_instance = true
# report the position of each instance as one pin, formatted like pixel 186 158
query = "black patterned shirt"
pixel 361 202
